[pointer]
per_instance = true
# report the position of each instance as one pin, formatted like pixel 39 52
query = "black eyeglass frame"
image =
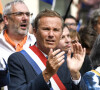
pixel 69 24
pixel 21 13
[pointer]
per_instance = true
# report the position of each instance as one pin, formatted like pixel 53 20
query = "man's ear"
pixel 5 19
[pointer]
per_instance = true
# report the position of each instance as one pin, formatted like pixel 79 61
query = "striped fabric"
pixel 92 80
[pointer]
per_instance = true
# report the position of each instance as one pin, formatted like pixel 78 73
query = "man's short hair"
pixel 8 7
pixel 46 13
pixel 72 17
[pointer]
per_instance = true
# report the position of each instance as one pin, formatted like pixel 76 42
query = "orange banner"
pixel 1 8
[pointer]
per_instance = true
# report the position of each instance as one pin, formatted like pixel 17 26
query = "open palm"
pixel 75 63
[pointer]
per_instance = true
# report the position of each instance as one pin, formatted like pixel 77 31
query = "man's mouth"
pixel 50 41
pixel 23 26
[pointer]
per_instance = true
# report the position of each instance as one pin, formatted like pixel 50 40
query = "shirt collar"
pixel 41 51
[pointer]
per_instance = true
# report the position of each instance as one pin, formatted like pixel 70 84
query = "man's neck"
pixel 17 39
pixel 44 50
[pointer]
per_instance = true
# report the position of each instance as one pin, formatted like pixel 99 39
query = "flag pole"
pixel 53 5
pixel 67 11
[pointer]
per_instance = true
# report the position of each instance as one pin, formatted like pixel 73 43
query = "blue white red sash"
pixel 38 61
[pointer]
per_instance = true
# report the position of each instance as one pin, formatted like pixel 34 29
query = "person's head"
pixel 71 22
pixel 16 17
pixel 95 53
pixel 87 38
pixel 95 20
pixel 65 40
pixel 48 26
pixel 75 38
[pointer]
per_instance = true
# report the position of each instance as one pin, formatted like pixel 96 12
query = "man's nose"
pixel 67 39
pixel 51 33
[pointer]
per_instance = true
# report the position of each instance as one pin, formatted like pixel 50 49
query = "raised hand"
pixel 75 63
pixel 55 60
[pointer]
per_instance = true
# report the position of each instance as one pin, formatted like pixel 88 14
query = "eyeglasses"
pixel 71 24
pixel 21 13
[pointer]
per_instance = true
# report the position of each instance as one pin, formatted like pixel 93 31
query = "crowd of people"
pixel 49 54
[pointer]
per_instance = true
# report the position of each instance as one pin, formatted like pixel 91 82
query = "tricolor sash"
pixel 38 61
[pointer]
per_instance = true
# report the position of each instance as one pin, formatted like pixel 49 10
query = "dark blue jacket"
pixel 24 77
pixel 4 77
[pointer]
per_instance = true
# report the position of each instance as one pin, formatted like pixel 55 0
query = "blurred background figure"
pixel 85 8
pixel 92 78
pixel 75 38
pixel 87 39
pixel 71 22
pixel 1 23
pixel 65 40
pixel 81 10
pixel 95 20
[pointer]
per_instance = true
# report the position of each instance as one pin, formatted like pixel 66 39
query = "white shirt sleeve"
pixel 76 82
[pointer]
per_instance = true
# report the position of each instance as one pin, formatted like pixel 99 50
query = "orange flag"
pixel 1 8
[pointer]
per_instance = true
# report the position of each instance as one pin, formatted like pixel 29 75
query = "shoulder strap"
pixel 31 61
pixel 96 72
